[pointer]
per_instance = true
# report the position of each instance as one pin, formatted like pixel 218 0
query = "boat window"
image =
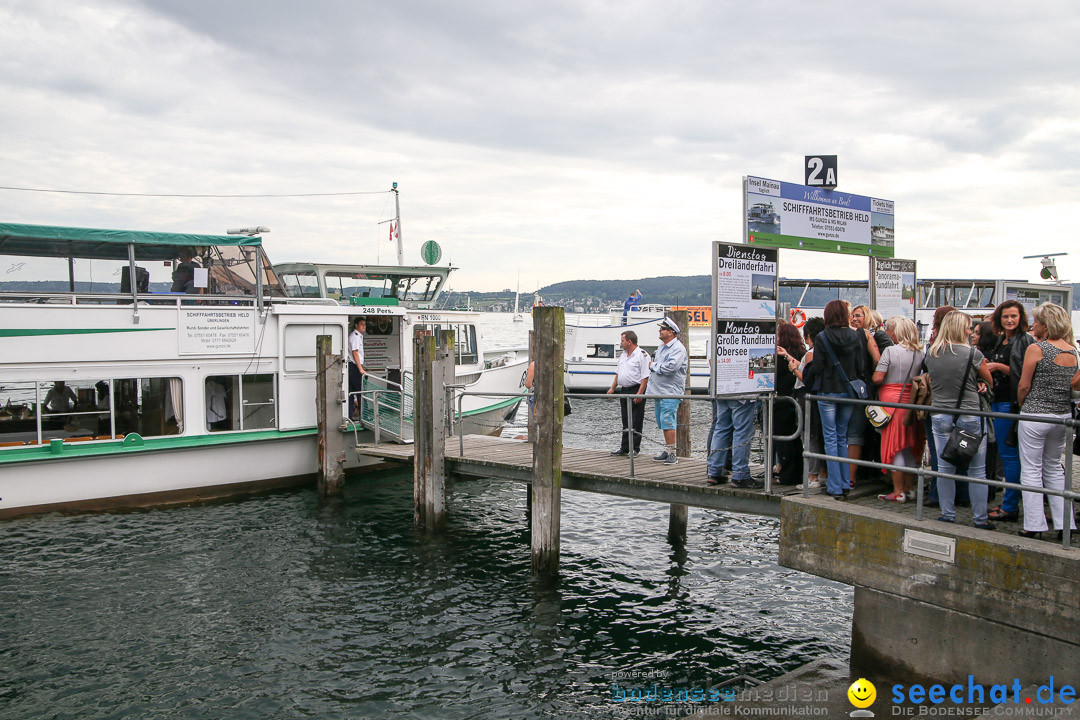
pixel 344 285
pixel 18 416
pixel 601 351
pixel 465 348
pixel 300 284
pixel 418 289
pixel 650 349
pixel 89 409
pixel 104 269
pixel 465 343
pixel 34 274
pixel 148 406
pixel 233 271
pixel 240 402
pixel 75 409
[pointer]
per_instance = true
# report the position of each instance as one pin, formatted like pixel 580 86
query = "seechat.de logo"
pixel 862 695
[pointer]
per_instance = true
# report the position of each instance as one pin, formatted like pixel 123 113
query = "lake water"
pixel 286 606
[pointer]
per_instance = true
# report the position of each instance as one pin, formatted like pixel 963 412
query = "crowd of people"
pixel 1004 364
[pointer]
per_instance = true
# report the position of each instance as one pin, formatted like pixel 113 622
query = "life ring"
pixel 798 317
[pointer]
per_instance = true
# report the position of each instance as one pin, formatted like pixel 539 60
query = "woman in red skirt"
pixel 901 443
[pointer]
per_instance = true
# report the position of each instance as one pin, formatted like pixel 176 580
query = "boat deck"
pixel 597 471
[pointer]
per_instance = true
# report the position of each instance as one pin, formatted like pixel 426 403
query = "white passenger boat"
pixel 592 348
pixel 117 393
pixel 400 302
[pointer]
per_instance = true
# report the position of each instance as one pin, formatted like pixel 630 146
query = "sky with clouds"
pixel 567 140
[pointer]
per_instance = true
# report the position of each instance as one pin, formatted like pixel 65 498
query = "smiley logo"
pixel 862 693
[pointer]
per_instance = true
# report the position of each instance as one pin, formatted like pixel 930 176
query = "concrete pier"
pixel 942 600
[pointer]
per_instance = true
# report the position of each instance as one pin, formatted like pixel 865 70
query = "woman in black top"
pixel 863 442
pixel 790 349
pixel 1010 323
pixel 824 378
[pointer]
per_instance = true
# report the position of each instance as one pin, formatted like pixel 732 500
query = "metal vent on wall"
pixel 928 545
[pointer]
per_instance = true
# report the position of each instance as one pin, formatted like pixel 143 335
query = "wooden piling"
pixel 328 389
pixel 433 366
pixel 679 515
pixel 549 325
pixel 530 426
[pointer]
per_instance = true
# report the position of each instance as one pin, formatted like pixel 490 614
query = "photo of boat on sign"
pixel 762 217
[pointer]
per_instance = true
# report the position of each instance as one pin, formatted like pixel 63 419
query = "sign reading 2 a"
pixel 821 171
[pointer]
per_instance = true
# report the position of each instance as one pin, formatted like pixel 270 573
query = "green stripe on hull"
pixel 69 451
pixel 496 406
pixel 38 332
pixel 352 424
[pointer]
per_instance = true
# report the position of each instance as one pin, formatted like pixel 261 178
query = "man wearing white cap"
pixel 667 376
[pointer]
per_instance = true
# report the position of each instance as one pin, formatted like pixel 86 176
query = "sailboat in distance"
pixel 517 291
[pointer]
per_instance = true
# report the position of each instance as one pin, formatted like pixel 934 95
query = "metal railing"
pixel 386 407
pixel 767 435
pixel 922 473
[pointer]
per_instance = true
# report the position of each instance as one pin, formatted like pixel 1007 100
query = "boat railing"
pixel 613 319
pixel 145 299
pixel 590 320
pixel 386 407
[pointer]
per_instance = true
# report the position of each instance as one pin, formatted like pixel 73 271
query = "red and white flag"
pixel 393 232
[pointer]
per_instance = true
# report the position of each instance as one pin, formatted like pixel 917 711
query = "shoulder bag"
pixel 856 389
pixel 879 416
pixel 962 445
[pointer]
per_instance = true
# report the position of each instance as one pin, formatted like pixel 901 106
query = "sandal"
pixel 1003 516
pixel 893 497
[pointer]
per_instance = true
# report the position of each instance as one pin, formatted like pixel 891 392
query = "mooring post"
pixel 531 423
pixel 433 365
pixel 328 384
pixel 549 325
pixel 679 515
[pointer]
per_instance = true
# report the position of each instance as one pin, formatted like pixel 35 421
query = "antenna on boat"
pixel 1049 267
pixel 395 225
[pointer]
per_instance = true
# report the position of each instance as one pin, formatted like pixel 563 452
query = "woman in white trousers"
pixel 1050 368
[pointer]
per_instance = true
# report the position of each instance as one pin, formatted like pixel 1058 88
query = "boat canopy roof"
pixel 417 286
pixel 98 243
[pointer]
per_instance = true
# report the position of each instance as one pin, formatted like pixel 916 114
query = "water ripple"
pixel 282 606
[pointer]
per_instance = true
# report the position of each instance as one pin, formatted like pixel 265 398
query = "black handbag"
pixel 1076 437
pixel 962 445
pixel 856 389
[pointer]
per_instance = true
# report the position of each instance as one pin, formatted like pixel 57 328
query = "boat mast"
pixel 397 224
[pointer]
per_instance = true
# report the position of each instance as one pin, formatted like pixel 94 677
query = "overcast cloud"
pixel 568 139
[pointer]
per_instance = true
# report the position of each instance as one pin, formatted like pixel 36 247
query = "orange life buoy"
pixel 798 317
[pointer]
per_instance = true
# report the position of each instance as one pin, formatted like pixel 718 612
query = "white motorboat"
pixel 592 349
pixel 130 393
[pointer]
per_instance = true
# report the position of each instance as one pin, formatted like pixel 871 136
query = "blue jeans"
pixel 1010 457
pixel 834 427
pixel 732 431
pixel 943 425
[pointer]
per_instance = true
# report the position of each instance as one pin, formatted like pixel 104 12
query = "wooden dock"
pixel 597 471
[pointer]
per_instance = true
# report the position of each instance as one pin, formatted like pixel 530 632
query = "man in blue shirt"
pixel 631 302
pixel 667 376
